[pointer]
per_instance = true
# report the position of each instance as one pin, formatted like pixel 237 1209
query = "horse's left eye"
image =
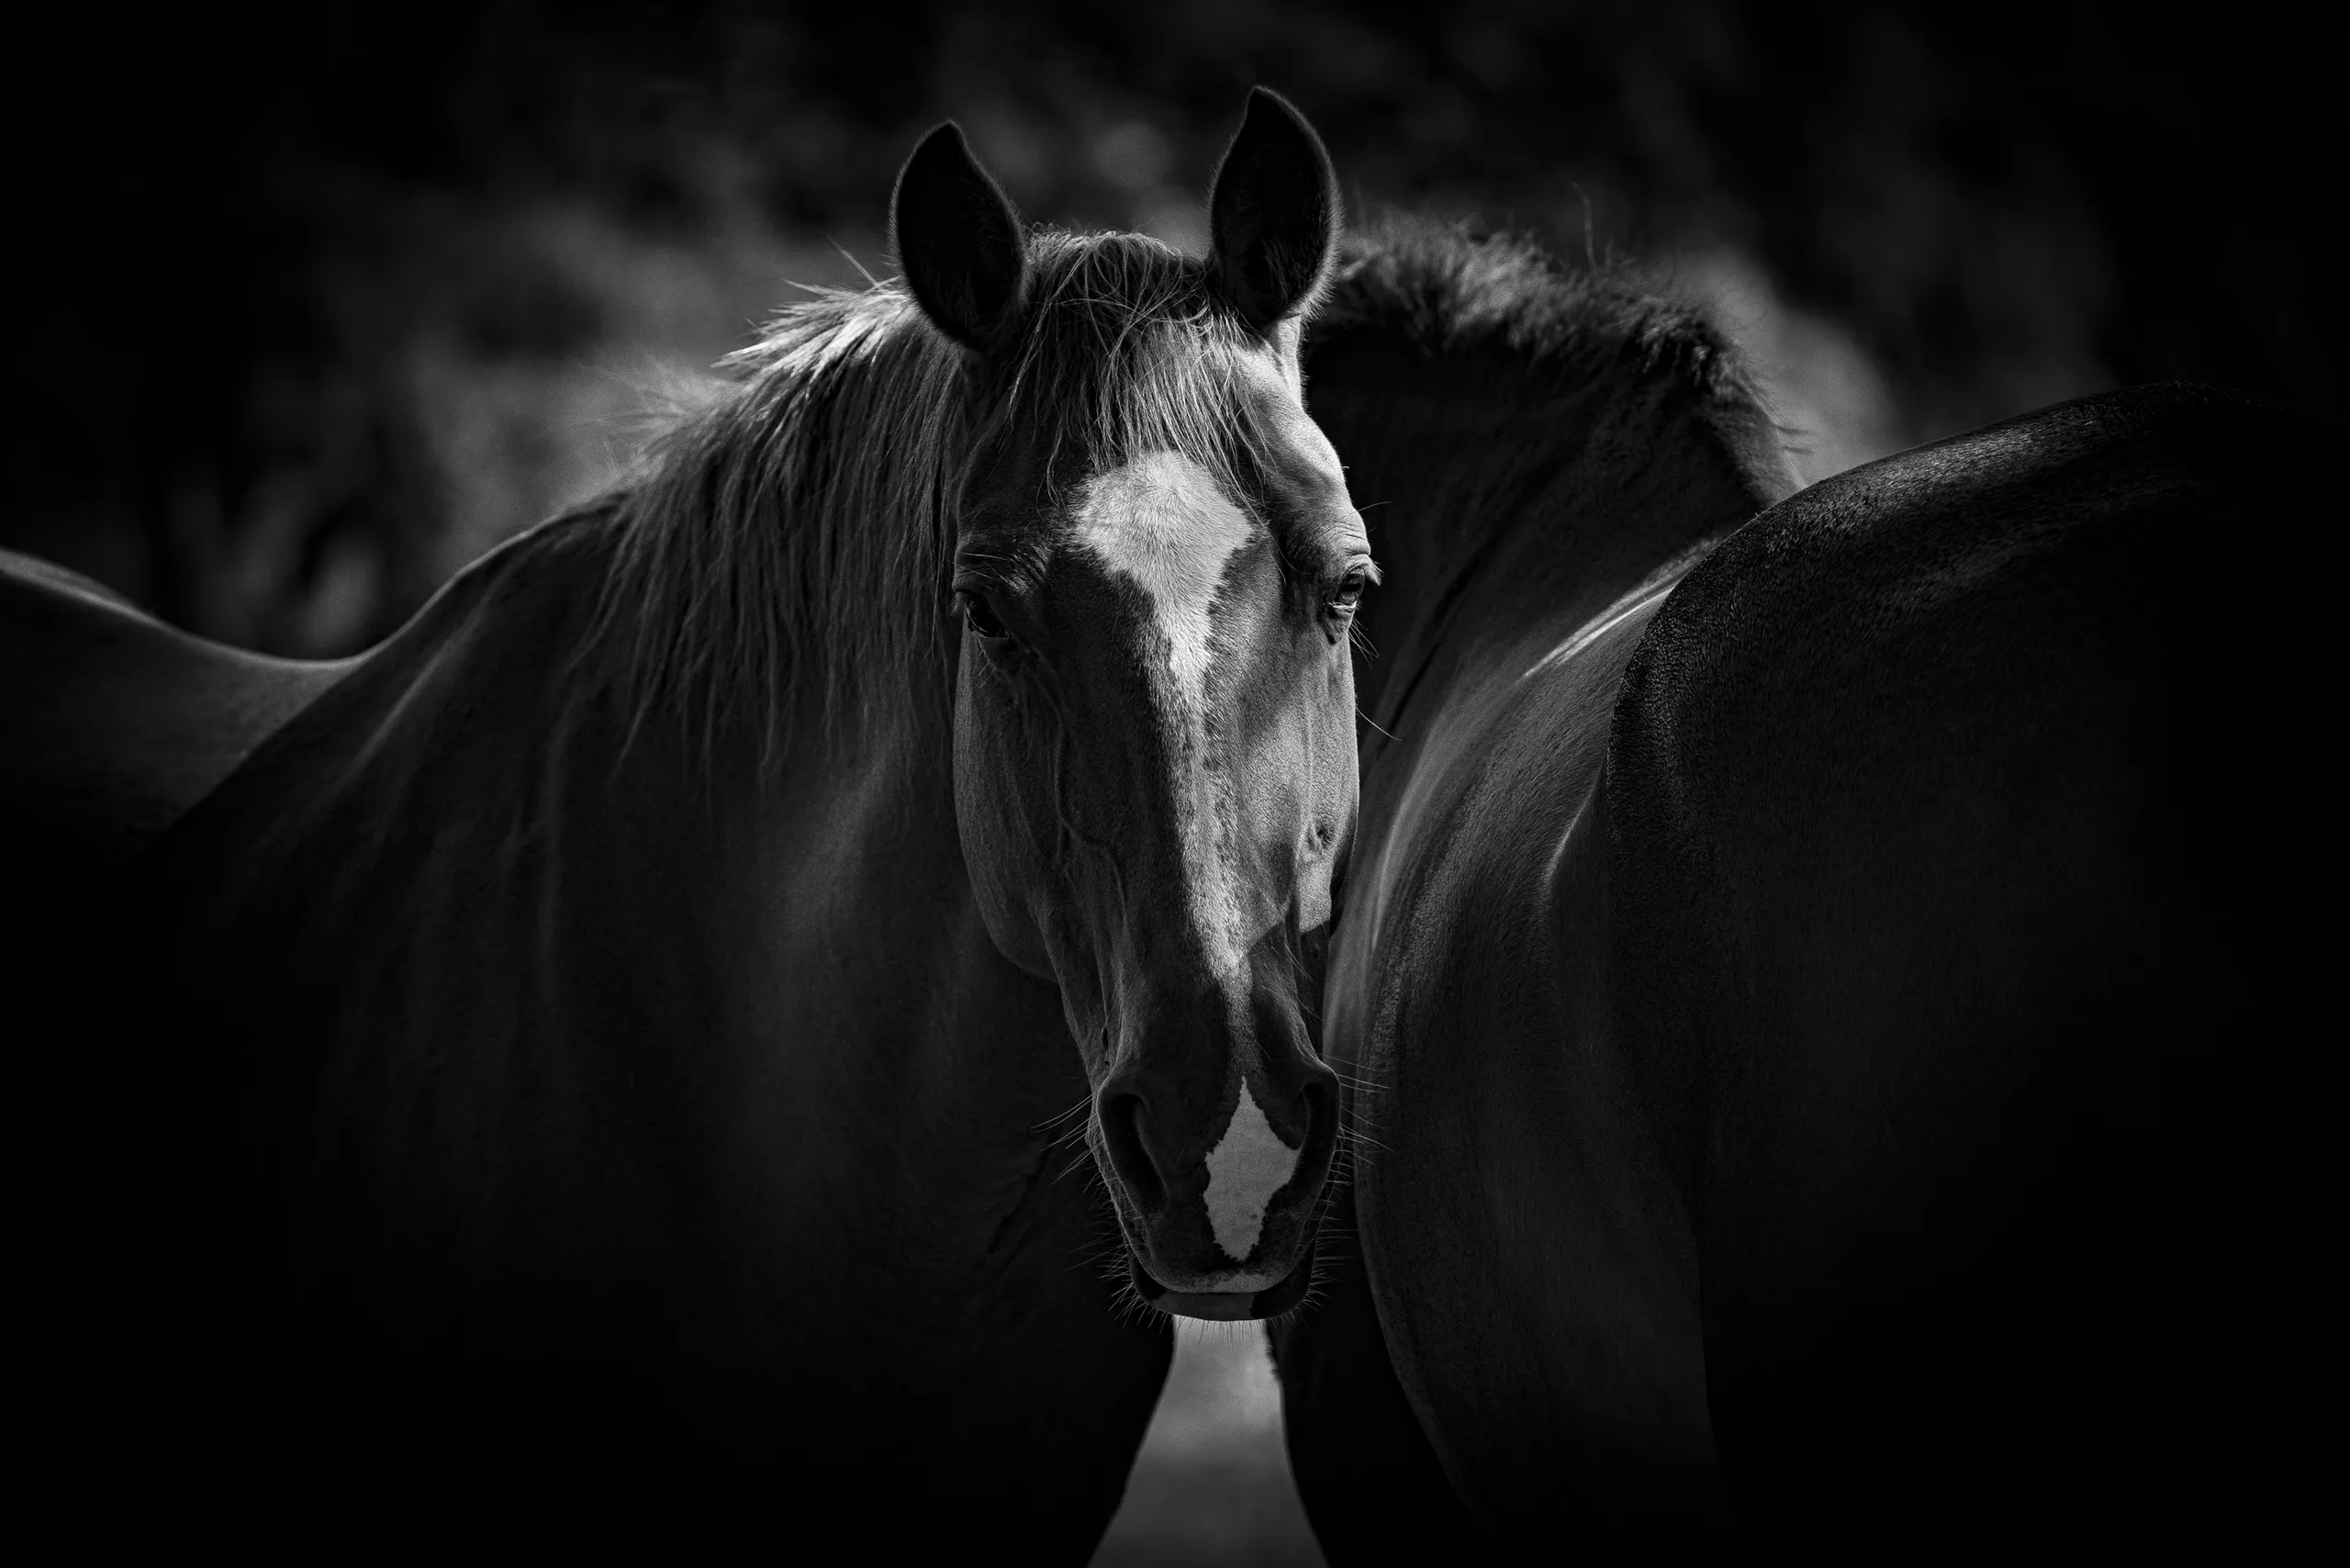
pixel 1349 591
pixel 980 617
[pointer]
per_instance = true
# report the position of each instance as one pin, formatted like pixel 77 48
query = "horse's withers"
pixel 1155 760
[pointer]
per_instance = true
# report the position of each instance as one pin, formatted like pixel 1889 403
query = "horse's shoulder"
pixel 113 724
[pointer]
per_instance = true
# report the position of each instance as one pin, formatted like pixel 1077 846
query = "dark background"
pixel 308 310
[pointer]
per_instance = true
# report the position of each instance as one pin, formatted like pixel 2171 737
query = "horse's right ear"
pixel 959 241
pixel 1273 214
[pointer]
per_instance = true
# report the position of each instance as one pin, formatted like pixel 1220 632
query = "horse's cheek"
pixel 1331 768
pixel 998 853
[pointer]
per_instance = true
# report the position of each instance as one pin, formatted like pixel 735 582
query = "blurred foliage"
pixel 311 307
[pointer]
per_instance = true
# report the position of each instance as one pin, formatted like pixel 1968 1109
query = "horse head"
pixel 1157 567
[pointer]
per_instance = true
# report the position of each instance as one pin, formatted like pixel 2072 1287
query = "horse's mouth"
pixel 1226 1307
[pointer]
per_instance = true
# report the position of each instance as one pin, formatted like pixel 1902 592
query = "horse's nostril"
pixel 1320 1097
pixel 1121 1131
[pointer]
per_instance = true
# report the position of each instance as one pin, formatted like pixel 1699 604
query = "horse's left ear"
pixel 1272 213
pixel 959 241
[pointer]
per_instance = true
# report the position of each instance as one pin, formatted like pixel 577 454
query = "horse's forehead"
pixel 1163 523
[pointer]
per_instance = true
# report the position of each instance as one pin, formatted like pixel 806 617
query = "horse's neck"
pixel 862 1046
pixel 1506 517
pixel 864 1024
pixel 870 981
pixel 877 1080
pixel 539 937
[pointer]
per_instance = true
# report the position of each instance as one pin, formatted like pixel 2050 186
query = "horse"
pixel 116 723
pixel 749 1014
pixel 1808 988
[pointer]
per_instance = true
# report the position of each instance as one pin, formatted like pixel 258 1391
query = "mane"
pixel 1448 292
pixel 1587 410
pixel 791 542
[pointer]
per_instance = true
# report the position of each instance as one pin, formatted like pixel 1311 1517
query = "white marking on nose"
pixel 1249 1165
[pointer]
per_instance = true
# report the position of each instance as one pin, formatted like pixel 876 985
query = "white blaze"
pixel 1162 522
pixel 1246 1167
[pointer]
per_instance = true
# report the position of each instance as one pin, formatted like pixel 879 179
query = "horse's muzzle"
pixel 1227 1307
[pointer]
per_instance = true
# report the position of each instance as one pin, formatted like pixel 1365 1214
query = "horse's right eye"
pixel 980 618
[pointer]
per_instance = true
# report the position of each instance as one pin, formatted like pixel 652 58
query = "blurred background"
pixel 312 308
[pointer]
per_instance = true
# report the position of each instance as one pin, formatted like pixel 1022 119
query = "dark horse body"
pixel 115 725
pixel 620 1057
pixel 516 1258
pixel 1816 1022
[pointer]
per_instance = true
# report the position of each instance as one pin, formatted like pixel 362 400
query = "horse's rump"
pixel 1872 1070
pixel 1929 797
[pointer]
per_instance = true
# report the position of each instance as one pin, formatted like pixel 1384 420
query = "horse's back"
pixel 1939 823
pixel 112 724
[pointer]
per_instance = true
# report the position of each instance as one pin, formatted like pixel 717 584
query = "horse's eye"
pixel 979 616
pixel 1350 592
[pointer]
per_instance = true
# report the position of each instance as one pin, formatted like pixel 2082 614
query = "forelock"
pixel 1126 352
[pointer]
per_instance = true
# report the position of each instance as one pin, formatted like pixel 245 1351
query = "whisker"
pixel 1060 1118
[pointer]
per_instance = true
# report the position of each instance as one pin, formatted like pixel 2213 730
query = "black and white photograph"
pixel 1173 784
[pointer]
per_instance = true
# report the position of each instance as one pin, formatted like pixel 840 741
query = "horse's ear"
pixel 1272 213
pixel 959 241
